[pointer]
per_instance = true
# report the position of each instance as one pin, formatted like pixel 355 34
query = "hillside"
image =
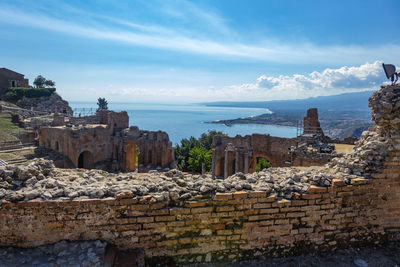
pixel 340 115
pixel 348 101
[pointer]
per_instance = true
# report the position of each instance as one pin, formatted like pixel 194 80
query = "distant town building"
pixel 9 78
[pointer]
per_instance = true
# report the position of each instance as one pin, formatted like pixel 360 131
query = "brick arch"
pixel 85 160
pixel 253 161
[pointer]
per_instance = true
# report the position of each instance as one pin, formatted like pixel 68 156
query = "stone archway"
pixel 255 161
pixel 85 160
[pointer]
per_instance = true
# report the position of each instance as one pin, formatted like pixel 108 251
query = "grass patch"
pixel 8 130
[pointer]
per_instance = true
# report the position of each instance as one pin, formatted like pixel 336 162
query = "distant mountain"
pixel 347 101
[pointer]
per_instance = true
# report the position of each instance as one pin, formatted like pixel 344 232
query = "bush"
pixel 16 93
pixel 15 118
pixel 182 151
pixel 262 163
pixel 198 156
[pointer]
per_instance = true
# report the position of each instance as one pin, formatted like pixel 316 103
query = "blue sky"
pixel 194 51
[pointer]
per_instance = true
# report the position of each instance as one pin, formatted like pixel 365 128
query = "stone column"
pixel 246 162
pixel 226 163
pixel 237 161
pixel 213 164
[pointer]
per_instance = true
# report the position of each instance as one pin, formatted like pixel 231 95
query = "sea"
pixel 186 120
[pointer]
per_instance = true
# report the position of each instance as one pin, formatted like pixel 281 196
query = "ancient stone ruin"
pixel 241 153
pixel 178 218
pixel 104 141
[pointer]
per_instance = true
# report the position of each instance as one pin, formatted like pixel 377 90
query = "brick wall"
pixel 223 227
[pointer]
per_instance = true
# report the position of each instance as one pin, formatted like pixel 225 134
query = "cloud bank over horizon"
pixel 366 77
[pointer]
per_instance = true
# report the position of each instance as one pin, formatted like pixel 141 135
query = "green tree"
pixel 102 103
pixel 49 83
pixel 262 163
pixel 198 156
pixel 182 152
pixel 39 81
pixel 206 138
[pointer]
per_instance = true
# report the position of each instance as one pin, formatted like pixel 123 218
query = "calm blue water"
pixel 183 121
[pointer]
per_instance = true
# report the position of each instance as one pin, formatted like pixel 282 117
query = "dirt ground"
pixel 341 148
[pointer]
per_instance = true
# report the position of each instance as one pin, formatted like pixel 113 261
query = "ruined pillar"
pixel 237 161
pixel 226 163
pixel 213 164
pixel 154 154
pixel 229 148
pixel 246 162
pixel 130 156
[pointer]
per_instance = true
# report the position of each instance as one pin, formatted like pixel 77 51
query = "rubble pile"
pixel 367 155
pixel 41 180
pixel 385 105
pixel 374 144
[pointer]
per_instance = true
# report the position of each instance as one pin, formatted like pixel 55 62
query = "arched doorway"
pixel 262 163
pixel 85 160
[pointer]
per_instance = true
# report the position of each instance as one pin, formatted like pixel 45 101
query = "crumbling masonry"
pixel 104 141
pixel 349 208
pixel 239 154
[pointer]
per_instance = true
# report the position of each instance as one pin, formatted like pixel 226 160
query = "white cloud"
pixel 368 76
pixel 192 40
pixel 328 82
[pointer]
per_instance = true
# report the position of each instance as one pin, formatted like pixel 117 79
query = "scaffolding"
pixel 84 112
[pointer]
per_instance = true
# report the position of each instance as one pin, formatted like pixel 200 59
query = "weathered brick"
pixel 164 218
pixel 260 194
pixel 225 208
pixel 282 203
pixel 311 196
pixel 240 194
pixel 145 219
pixel 268 211
pixel 338 182
pixel 262 205
pixel 202 210
pixel 316 189
pixel 195 204
pixel 223 196
pixel 358 181
pixel 295 214
pixel 271 198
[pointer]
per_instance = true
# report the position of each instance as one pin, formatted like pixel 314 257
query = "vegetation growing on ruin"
pixel 262 163
pixel 193 152
pixel 16 93
pixel 197 157
pixel 102 103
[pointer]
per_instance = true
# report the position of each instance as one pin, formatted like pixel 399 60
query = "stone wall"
pixel 9 78
pixel 225 227
pixel 239 154
pixel 103 141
